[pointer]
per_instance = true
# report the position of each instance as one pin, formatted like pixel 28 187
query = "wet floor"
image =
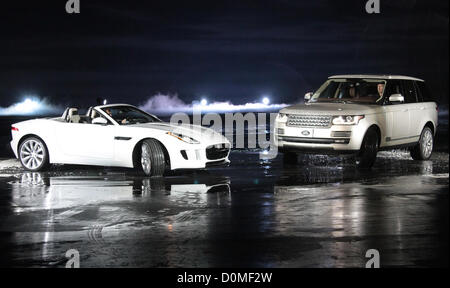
pixel 321 212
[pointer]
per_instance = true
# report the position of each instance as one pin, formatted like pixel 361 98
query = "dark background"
pixel 234 51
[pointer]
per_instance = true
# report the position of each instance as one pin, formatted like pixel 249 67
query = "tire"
pixel 33 154
pixel 153 162
pixel 289 157
pixel 369 149
pixel 424 148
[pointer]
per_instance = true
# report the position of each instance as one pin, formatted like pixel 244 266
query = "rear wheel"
pixel 369 148
pixel 423 149
pixel 33 154
pixel 153 161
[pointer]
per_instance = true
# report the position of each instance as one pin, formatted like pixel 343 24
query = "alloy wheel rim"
pixel 427 144
pixel 32 154
pixel 145 159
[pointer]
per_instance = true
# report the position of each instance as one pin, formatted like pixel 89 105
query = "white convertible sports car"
pixel 117 135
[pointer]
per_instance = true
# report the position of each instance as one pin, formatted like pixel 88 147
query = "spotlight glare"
pixel 28 105
pixel 265 101
pixel 204 102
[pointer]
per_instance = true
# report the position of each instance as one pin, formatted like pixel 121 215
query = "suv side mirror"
pixel 308 96
pixel 99 120
pixel 396 98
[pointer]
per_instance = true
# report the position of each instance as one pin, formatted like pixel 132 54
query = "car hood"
pixel 329 109
pixel 195 131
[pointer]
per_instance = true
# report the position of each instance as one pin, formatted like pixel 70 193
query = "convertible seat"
pixel 73 116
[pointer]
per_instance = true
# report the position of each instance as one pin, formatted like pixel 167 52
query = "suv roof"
pixel 375 77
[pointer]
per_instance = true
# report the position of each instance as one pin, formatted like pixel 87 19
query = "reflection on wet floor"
pixel 321 212
pixel 35 191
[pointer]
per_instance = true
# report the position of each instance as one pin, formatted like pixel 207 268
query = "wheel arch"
pixel 24 137
pixel 137 151
pixel 430 125
pixel 377 129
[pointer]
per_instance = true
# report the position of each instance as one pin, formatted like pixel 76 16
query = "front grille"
pixel 309 120
pixel 217 151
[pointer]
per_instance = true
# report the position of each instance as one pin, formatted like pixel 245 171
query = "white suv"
pixel 360 114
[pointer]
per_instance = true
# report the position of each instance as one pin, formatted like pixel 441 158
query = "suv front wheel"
pixel 369 148
pixel 423 149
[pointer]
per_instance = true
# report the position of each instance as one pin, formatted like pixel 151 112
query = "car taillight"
pixel 437 109
pixel 14 129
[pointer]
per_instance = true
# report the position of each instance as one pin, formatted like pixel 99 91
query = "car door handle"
pixel 422 108
pixel 405 110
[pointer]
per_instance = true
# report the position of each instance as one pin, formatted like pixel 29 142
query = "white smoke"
pixel 167 104
pixel 30 106
pixel 157 104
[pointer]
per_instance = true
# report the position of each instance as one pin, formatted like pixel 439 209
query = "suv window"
pixel 410 91
pixel 393 87
pixel 424 93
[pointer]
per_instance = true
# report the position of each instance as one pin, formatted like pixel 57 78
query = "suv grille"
pixel 309 120
pixel 217 151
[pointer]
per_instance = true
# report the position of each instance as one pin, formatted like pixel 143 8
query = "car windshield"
pixel 127 115
pixel 351 90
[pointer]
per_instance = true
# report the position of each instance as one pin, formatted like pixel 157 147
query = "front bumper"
pixel 14 145
pixel 200 156
pixel 335 138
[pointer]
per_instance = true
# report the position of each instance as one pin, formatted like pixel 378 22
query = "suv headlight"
pixel 183 138
pixel 347 120
pixel 282 117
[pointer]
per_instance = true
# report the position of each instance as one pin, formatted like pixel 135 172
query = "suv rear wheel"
pixel 423 149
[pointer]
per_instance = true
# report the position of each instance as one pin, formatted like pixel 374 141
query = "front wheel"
pixel 423 149
pixel 369 148
pixel 33 154
pixel 153 162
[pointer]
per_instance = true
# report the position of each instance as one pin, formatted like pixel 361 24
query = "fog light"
pixel 346 134
pixel 342 141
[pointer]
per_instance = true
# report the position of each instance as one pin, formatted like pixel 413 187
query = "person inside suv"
pixel 380 88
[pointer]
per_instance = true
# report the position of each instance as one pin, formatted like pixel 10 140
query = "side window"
pixel 424 92
pixel 392 87
pixel 410 91
pixel 95 114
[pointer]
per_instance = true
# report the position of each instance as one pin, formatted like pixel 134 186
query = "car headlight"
pixel 282 117
pixel 183 138
pixel 347 120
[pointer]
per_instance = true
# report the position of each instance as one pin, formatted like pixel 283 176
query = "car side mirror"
pixel 308 96
pixel 396 98
pixel 99 120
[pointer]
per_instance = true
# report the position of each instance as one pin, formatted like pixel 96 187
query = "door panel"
pixel 400 124
pixel 415 108
pixel 86 142
pixel 398 116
